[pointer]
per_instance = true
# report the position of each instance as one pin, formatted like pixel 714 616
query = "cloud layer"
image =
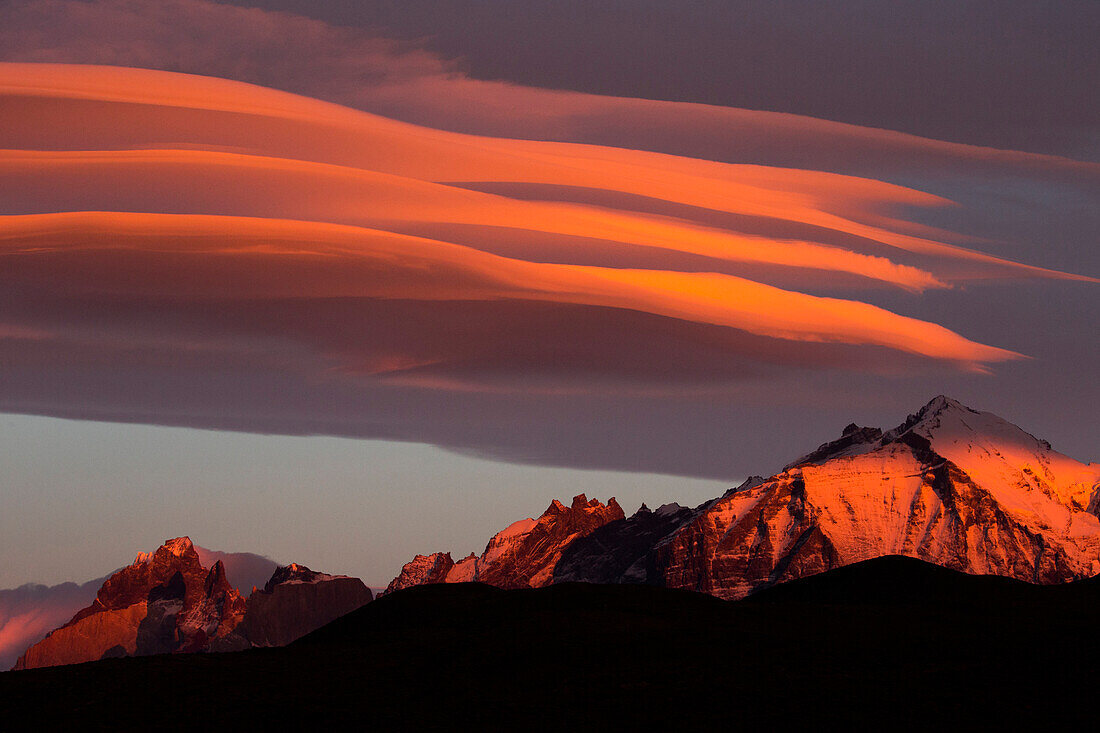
pixel 183 249
pixel 182 189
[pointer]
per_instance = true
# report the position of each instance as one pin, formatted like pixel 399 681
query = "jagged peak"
pixel 216 580
pixel 855 439
pixel 942 404
pixel 295 572
pixel 944 413
pixel 581 503
pixel 178 546
pixel 643 509
pixel 750 483
pixel 669 509
pixel 433 556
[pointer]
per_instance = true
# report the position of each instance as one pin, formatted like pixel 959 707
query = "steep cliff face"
pixel 31 611
pixel 163 602
pixel 168 602
pixel 297 601
pixel 616 552
pixel 523 555
pixel 422 570
pixel 951 485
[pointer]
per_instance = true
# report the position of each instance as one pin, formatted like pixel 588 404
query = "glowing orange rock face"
pixel 523 555
pixel 951 486
pixel 168 602
pixel 164 602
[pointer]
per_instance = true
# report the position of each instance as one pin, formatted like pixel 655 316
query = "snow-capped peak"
pixel 1018 467
pixel 507 537
pixel 666 510
pixel 949 485
pixel 514 529
pixel 942 403
pixel 942 418
pixel 945 422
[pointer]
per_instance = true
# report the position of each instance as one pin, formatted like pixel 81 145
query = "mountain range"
pixel 169 601
pixel 951 486
pixel 29 612
pixel 886 644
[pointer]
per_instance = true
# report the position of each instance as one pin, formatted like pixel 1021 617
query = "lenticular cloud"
pixel 192 250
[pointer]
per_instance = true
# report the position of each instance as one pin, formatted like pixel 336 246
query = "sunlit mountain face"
pixel 666 245
pixel 950 485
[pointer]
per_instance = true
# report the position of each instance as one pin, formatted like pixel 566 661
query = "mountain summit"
pixel 522 555
pixel 167 601
pixel 164 601
pixel 950 485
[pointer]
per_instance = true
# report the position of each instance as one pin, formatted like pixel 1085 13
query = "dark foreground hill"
pixel 889 643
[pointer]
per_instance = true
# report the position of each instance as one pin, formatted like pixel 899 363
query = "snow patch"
pixel 667 510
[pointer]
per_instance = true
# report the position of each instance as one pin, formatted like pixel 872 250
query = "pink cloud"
pixel 211 191
pixel 359 273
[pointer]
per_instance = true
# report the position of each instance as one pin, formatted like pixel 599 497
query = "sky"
pixel 341 282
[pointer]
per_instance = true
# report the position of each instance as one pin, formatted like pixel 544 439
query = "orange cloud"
pixel 220 115
pixel 197 251
pixel 250 258
pixel 540 274
pixel 230 183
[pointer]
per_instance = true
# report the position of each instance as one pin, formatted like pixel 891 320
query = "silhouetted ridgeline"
pixel 889 643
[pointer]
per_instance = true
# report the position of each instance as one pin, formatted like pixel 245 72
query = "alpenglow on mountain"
pixel 168 602
pixel 954 486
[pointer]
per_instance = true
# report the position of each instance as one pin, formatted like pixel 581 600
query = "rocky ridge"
pixel 953 486
pixel 168 602
pixel 523 555
pixel 298 600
